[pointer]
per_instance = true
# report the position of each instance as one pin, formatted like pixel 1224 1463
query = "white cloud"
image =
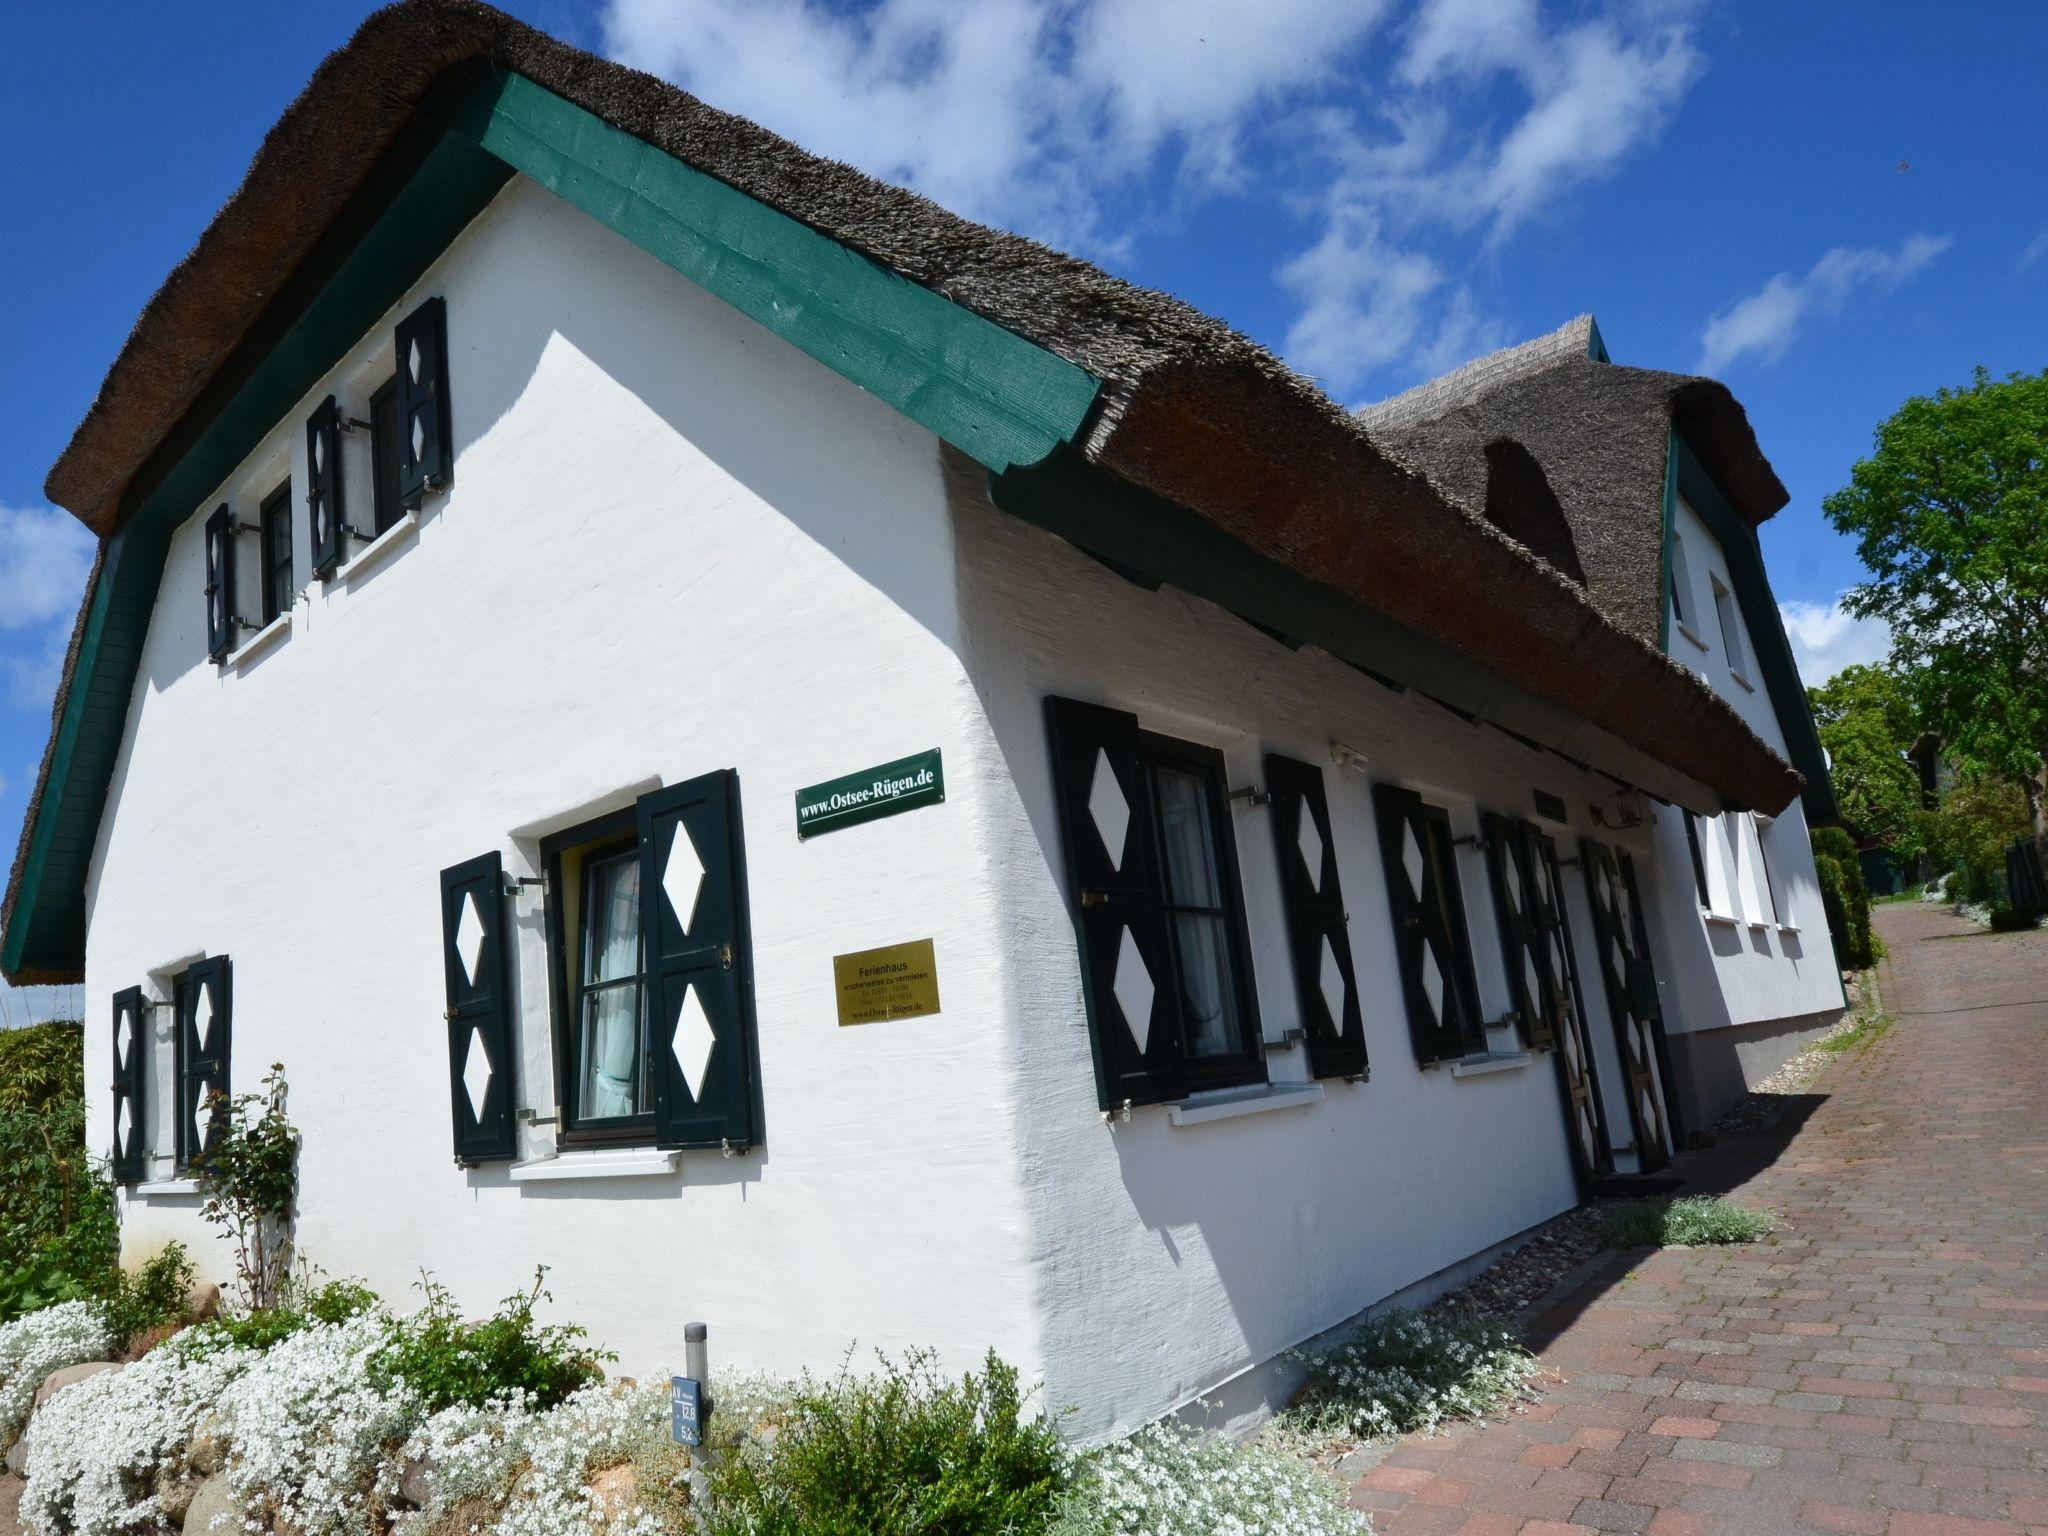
pixel 1825 639
pixel 1412 160
pixel 1765 324
pixel 2036 249
pixel 45 557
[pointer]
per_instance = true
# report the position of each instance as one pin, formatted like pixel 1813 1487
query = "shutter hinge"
pixel 239 526
pixel 1123 1113
pixel 514 884
pixel 449 1014
pixel 727 1149
pixel 725 957
pixel 1094 898
pixel 1252 795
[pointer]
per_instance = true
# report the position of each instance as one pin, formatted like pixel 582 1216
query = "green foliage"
pixel 249 1170
pixel 1950 515
pixel 1400 1371
pixel 2006 919
pixel 1970 830
pixel 149 1297
pixel 1866 1031
pixel 42 1067
pixel 904 1452
pixel 1855 947
pixel 1867 719
pixel 451 1361
pixel 299 1306
pixel 1691 1221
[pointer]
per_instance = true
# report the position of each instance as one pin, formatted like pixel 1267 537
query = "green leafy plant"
pixel 1866 1031
pixel 298 1306
pixel 2006 919
pixel 448 1360
pixel 902 1452
pixel 1855 947
pixel 1400 1371
pixel 1690 1221
pixel 249 1170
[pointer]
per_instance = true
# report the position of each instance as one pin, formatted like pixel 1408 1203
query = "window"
pixel 275 525
pixel 593 876
pixel 387 507
pixel 1731 632
pixel 1699 863
pixel 1681 585
pixel 1767 883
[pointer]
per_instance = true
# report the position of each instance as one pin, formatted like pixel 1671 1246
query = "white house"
pixel 821 768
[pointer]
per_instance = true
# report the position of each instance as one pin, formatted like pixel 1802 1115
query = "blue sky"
pixel 1832 207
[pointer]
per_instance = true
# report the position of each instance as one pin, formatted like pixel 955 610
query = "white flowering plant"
pixel 1166 1480
pixel 107 1450
pixel 1403 1371
pixel 31 1347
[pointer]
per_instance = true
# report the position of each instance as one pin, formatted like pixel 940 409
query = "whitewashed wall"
pixel 1167 1258
pixel 673 544
pixel 1735 961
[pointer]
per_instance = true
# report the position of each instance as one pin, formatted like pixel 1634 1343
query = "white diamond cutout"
pixel 1514 897
pixel 1134 990
pixel 124 1047
pixel 1331 980
pixel 1530 980
pixel 1411 858
pixel 412 361
pixel 682 878
pixel 419 438
pixel 469 937
pixel 1433 982
pixel 476 1073
pixel 1310 841
pixel 691 1043
pixel 319 523
pixel 202 1019
pixel 122 1125
pixel 1109 810
pixel 319 452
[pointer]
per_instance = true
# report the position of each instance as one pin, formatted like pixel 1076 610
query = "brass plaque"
pixel 898 981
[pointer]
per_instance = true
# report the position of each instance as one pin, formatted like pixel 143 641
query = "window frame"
pixel 1680 580
pixel 1246 1064
pixel 1729 617
pixel 1699 861
pixel 182 1154
pixel 604 836
pixel 387 507
pixel 1762 825
pixel 274 523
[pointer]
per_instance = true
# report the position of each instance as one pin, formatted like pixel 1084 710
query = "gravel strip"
pixel 1513 1285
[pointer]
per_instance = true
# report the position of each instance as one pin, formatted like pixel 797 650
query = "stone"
pixel 416 1483
pixel 202 1302
pixel 612 1493
pixel 207 1451
pixel 69 1375
pixel 213 1501
pixel 174 1494
pixel 17 1453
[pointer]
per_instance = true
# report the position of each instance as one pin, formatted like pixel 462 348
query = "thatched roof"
pixel 1190 410
pixel 1600 433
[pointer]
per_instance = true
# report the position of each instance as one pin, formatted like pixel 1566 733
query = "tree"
pixel 1950 514
pixel 1867 719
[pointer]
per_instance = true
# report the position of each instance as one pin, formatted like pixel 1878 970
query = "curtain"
pixel 611 1000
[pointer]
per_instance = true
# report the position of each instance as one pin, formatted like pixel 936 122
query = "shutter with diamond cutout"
pixel 426 456
pixel 1318 932
pixel 325 514
pixel 131 1067
pixel 1577 1073
pixel 1617 937
pixel 1515 900
pixel 700 983
pixel 1106 823
pixel 474 961
pixel 220 583
pixel 1429 926
pixel 205 1008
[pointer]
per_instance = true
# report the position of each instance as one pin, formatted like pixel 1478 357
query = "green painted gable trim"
pixel 1001 399
pixel 1596 344
pixel 986 390
pixel 1745 559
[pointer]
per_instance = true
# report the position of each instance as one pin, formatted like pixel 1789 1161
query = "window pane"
pixel 611 918
pixel 1191 874
pixel 612 1069
pixel 614 1065
pixel 1207 991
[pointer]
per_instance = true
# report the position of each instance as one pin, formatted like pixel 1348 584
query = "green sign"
pixel 903 785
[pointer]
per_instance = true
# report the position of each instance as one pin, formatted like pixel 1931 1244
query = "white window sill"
pixel 1492 1061
pixel 263 640
pixel 1759 926
pixel 1720 917
pixel 162 1188
pixel 606 1163
pixel 378 549
pixel 1686 630
pixel 1229 1103
pixel 1742 680
pixel 1788 927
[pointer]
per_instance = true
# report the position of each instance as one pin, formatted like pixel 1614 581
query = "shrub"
pixel 1848 912
pixel 42 1067
pixel 59 1232
pixel 250 1172
pixel 1692 1221
pixel 1401 1371
pixel 31 1347
pixel 904 1451
pixel 448 1361
pixel 300 1307
pixel 1165 1481
pixel 2006 919
pixel 150 1297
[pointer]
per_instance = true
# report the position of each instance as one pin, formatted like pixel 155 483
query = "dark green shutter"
pixel 475 965
pixel 1577 1074
pixel 1429 926
pixel 1516 902
pixel 700 983
pixel 220 582
pixel 131 1078
pixel 426 456
pixel 1318 932
pixel 325 514
pixel 206 1014
pixel 1617 937
pixel 1106 822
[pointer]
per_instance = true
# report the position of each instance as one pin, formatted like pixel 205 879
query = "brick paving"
pixel 1880 1367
